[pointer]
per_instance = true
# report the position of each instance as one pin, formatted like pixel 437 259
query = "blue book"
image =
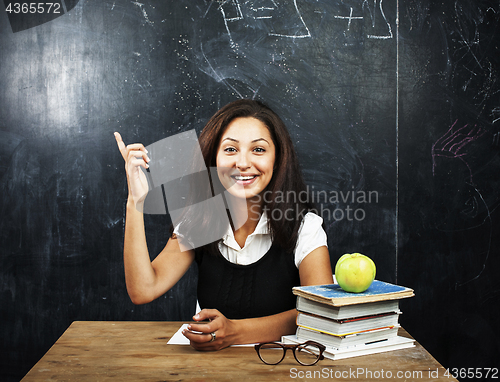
pixel 333 294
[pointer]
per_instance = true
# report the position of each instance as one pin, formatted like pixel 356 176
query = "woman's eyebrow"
pixel 260 139
pixel 235 140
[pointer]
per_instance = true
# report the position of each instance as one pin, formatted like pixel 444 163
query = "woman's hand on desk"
pixel 213 335
pixel 135 156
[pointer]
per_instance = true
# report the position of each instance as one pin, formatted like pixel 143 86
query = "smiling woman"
pixel 253 120
pixel 245 279
pixel 246 156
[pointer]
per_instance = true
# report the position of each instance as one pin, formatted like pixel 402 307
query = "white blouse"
pixel 311 236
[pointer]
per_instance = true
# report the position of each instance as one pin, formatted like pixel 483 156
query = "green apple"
pixel 355 272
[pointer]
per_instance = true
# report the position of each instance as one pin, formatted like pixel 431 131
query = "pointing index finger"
pixel 121 145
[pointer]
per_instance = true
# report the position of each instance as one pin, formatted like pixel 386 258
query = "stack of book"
pixel 350 324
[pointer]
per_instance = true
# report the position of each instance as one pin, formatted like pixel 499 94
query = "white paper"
pixel 178 338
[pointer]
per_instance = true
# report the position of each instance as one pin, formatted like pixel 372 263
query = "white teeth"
pixel 237 177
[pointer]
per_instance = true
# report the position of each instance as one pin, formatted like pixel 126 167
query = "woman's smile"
pixel 244 180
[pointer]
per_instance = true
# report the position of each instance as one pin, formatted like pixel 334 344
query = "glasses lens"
pixel 271 353
pixel 307 354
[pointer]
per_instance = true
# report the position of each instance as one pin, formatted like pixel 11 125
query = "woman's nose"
pixel 242 163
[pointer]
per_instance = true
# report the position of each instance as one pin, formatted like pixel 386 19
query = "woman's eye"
pixel 260 150
pixel 230 149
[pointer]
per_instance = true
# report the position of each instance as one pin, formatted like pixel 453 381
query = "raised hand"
pixel 135 157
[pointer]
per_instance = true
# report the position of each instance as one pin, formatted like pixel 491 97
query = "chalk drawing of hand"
pixel 460 207
pixel 455 144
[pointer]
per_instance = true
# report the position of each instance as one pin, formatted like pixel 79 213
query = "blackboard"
pixel 369 91
pixel 449 174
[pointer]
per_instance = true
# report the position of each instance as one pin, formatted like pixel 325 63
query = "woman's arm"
pixel 145 280
pixel 314 269
pixel 231 332
pixel 148 280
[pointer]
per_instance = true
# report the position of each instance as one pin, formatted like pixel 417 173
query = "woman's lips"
pixel 244 180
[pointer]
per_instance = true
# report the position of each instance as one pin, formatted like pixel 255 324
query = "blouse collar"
pixel 261 229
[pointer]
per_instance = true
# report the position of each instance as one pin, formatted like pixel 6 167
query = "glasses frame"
pixel 287 347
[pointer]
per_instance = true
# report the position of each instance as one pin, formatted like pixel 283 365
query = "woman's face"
pixel 245 158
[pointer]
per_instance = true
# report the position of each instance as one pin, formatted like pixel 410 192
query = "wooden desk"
pixel 138 351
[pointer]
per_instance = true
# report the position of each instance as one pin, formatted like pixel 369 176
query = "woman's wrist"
pixel 235 332
pixel 132 204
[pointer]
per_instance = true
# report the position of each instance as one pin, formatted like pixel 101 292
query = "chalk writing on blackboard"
pixel 284 19
pixel 349 18
pixel 272 13
pixel 373 12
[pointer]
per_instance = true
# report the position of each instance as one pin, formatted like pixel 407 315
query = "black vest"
pixel 246 291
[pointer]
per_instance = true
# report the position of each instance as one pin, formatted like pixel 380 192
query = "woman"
pixel 245 279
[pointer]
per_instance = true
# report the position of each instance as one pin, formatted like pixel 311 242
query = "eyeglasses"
pixel 307 354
